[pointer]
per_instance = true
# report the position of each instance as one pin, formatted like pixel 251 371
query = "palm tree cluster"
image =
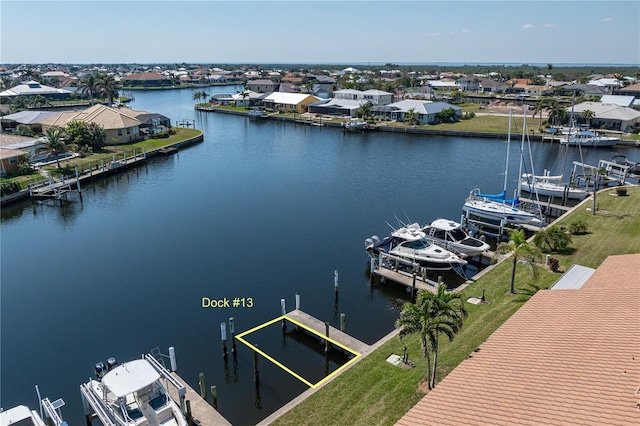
pixel 432 314
pixel 197 96
pixel 99 86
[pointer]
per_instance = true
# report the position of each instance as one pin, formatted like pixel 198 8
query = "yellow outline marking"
pixel 288 370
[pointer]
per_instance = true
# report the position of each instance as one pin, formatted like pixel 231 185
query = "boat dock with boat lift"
pixel 198 410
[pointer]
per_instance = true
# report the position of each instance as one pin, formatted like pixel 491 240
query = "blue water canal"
pixel 259 210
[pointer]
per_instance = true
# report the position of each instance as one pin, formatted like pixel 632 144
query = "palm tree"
pixel 553 237
pixel 88 86
pixel 587 114
pixel 55 142
pixel 432 314
pixel 38 101
pixel 108 87
pixel 521 251
pixel 557 113
pixel 197 96
pixel 365 110
pixel 411 117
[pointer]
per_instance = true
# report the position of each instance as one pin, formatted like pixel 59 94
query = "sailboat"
pixel 496 209
pixel 551 186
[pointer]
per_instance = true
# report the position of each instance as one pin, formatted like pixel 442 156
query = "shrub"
pixel 24 130
pixel 8 187
pixel 554 264
pixel 578 227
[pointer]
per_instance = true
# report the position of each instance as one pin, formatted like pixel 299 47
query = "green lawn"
pixel 118 150
pixel 374 392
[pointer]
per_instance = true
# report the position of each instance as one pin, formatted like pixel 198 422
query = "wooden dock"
pixel 334 334
pixel 203 413
pixel 394 268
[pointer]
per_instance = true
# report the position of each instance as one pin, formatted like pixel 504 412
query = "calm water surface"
pixel 259 210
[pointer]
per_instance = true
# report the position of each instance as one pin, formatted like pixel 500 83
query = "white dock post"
pixel 172 359
pixel 297 300
pixel 124 157
pixel 335 281
pixel 283 305
pixel 223 336
pixel 232 330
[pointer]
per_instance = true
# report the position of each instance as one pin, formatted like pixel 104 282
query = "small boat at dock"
pixel 131 394
pixel 450 235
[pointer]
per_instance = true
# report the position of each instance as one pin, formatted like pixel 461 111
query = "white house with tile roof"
pixel 608 116
pixel 120 127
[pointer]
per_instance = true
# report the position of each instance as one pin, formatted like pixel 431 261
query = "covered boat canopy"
pixel 130 377
pixel 445 224
pixel 500 198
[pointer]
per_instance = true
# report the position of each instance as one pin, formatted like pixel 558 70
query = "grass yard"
pixel 374 392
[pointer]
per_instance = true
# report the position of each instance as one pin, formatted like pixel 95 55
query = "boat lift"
pixel 93 407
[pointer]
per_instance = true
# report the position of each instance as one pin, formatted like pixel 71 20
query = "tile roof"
pixel 108 118
pixel 566 357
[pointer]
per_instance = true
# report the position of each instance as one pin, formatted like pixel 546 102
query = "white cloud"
pixel 527 26
pixel 549 26
pixel 466 31
pixel 607 20
pixel 433 34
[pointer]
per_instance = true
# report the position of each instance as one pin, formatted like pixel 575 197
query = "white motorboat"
pixel 131 394
pixel 21 415
pixel 450 235
pixel 354 125
pixel 498 209
pixel 544 185
pixel 589 138
pixel 411 243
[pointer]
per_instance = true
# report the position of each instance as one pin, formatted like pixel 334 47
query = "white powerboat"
pixel 498 209
pixel 544 185
pixel 21 415
pixel 411 243
pixel 131 394
pixel 589 138
pixel 449 234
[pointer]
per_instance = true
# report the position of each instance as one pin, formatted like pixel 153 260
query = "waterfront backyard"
pixel 374 392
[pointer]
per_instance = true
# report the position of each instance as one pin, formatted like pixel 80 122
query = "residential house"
pixel 569 355
pixel 607 116
pixel 28 118
pixel 322 90
pixel 248 98
pixel 289 102
pixel 610 84
pixel 32 89
pixel 488 85
pixel 374 97
pixel 120 127
pixel 346 107
pixel 15 149
pixel 621 100
pixel 150 122
pixel 632 90
pixel 589 91
pixel 146 79
pixel 426 111
pixel 262 86
pixel 217 78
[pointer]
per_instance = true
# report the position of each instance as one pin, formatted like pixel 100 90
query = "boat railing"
pixel 89 397
pixel 50 410
pixel 166 374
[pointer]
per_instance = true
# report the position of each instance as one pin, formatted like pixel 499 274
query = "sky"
pixel 341 32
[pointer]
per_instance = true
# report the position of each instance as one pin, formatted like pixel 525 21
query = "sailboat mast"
pixel 524 132
pixel 506 167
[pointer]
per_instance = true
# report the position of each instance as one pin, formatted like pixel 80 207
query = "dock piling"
pixel 326 341
pixel 256 370
pixel 297 300
pixel 203 386
pixel 172 359
pixel 342 322
pixel 232 330
pixel 223 336
pixel 214 397
pixel 335 281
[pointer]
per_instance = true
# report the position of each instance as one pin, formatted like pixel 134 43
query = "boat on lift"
pixel 410 243
pixel 450 235
pixel 589 138
pixel 132 394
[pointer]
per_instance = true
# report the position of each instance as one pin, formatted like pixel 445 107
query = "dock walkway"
pixel 334 334
pixel 203 413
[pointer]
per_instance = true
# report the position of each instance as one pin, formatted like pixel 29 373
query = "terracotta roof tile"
pixel 566 357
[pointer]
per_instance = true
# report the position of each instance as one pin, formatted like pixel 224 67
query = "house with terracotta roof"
pixel 569 356
pixel 120 127
pixel 146 79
